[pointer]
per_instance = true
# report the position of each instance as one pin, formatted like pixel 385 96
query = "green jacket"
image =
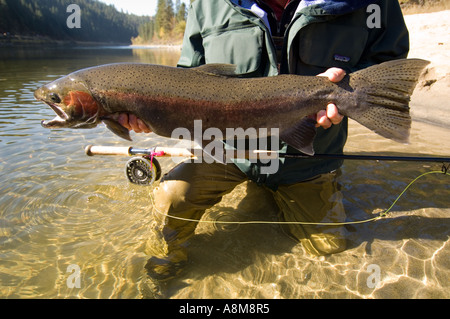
pixel 221 31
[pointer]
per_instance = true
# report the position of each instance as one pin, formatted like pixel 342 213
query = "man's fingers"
pixel 333 114
pixel 133 123
pixel 334 74
pixel 328 117
pixel 143 127
pixel 123 120
pixel 322 119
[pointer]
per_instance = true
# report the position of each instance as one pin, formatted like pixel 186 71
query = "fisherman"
pixel 265 38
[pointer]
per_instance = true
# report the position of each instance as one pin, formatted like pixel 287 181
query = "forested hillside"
pixel 48 18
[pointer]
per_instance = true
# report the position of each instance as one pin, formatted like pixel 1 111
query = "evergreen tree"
pixel 160 18
pixel 181 11
pixel 169 23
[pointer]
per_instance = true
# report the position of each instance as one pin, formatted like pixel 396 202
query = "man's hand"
pixel 330 116
pixel 132 123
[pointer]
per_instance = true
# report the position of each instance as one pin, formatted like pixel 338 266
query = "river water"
pixel 72 226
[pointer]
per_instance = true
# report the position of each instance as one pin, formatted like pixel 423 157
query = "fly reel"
pixel 142 171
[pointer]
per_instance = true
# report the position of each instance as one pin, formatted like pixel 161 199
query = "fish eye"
pixel 55 98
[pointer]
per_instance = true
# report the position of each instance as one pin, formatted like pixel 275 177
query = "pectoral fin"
pixel 301 136
pixel 117 128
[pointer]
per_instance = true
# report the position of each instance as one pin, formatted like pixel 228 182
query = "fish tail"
pixel 386 91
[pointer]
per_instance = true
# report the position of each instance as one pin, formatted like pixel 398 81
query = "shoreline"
pixel 14 40
pixel 28 40
pixel 156 46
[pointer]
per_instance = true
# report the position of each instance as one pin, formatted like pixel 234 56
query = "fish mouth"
pixel 59 120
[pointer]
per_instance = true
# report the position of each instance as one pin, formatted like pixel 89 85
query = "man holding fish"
pixel 263 38
pixel 339 39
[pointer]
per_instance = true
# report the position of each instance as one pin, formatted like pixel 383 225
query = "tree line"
pixel 48 18
pixel 167 26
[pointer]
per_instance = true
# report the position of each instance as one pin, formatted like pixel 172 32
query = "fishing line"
pixel 445 171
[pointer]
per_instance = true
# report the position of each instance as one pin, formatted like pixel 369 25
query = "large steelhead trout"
pixel 167 98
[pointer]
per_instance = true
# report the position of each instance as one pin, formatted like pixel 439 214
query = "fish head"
pixel 73 103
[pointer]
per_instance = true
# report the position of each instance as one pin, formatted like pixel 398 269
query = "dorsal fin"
pixel 218 69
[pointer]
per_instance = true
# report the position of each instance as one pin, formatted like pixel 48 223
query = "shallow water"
pixel 61 209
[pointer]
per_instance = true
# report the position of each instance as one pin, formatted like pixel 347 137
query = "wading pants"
pixel 191 188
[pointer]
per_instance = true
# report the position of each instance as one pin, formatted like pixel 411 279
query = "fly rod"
pixel 144 169
pixel 92 150
pixel 371 157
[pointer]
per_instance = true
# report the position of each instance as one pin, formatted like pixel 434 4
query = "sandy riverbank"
pixel 430 40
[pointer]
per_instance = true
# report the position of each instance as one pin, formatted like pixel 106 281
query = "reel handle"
pixel 92 150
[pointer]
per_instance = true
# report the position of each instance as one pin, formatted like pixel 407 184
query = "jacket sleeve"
pixel 192 51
